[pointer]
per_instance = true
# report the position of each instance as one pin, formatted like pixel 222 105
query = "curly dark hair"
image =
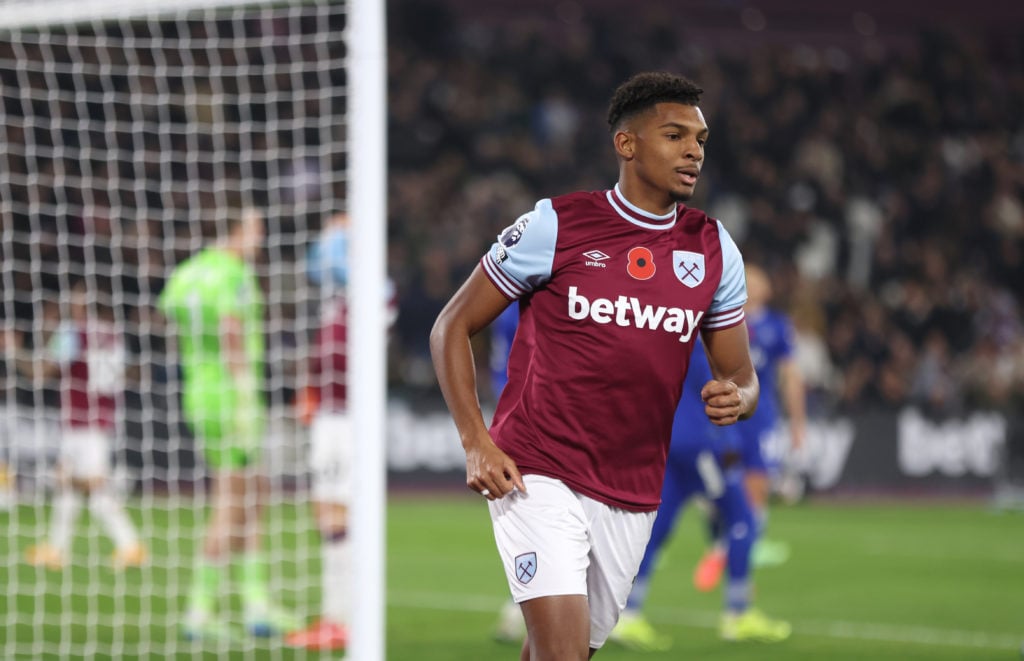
pixel 644 90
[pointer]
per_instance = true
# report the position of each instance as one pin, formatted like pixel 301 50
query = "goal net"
pixel 129 130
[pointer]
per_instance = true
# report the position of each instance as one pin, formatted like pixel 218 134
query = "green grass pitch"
pixel 879 581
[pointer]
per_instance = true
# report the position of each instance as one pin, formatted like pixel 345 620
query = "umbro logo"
pixel 596 258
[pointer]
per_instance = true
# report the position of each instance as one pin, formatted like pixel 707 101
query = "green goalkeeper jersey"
pixel 203 291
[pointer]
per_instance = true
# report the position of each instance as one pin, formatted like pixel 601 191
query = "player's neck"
pixel 653 201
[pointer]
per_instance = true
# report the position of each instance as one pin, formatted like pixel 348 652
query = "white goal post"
pixel 126 128
pixel 368 200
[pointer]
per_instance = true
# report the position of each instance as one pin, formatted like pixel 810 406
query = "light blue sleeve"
pixel 521 258
pixel 327 259
pixel 732 290
pixel 65 345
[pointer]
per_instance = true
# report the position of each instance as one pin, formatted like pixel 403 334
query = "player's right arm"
pixel 473 307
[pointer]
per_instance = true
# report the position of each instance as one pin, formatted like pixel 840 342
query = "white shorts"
pixel 85 453
pixel 332 457
pixel 29 434
pixel 554 541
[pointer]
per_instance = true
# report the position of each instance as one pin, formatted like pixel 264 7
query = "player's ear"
pixel 625 143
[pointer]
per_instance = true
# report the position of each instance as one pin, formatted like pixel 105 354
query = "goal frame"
pixel 367 202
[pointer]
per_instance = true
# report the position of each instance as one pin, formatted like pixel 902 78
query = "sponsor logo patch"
pixel 629 311
pixel 511 235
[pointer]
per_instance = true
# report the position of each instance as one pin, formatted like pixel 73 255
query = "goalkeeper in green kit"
pixel 214 302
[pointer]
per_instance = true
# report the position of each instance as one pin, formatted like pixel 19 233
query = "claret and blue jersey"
pixel 609 294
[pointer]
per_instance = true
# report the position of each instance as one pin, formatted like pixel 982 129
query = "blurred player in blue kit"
pixel 703 461
pixel 772 348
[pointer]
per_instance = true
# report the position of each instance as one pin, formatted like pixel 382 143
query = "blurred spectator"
pixel 888 166
pixel 934 386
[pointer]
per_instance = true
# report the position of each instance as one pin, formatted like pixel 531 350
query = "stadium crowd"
pixel 880 184
pixel 879 181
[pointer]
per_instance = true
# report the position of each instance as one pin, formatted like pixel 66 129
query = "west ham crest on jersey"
pixel 688 267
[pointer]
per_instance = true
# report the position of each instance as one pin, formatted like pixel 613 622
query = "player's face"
pixel 669 149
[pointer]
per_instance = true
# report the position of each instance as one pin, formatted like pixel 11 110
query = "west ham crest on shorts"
pixel 526 567
pixel 688 267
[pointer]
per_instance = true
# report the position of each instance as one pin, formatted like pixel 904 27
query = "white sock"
pixel 65 510
pixel 110 512
pixel 337 579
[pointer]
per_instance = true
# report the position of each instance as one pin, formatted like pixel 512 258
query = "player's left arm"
pixel 732 394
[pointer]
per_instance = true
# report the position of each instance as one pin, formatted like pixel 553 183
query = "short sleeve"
pixel 521 258
pixel 65 344
pixel 727 305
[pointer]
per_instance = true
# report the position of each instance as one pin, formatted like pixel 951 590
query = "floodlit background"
pixel 869 155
